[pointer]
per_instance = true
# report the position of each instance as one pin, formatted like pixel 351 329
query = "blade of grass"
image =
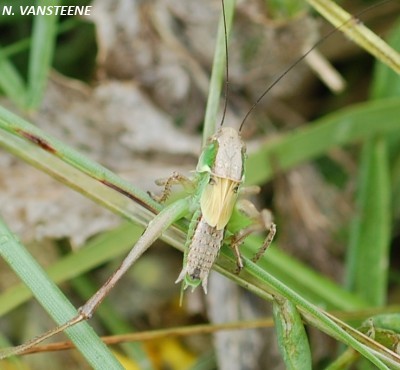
pixel 340 128
pixel 358 32
pixel 11 81
pixel 386 82
pixel 370 237
pixel 369 240
pixel 41 54
pixel 218 72
pixel 52 299
pixel 292 337
pixel 303 280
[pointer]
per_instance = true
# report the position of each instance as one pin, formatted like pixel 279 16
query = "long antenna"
pixel 226 66
pixel 301 58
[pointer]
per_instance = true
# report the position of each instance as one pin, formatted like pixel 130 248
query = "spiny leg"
pixel 261 221
pixel 175 179
pixel 271 227
pixel 238 238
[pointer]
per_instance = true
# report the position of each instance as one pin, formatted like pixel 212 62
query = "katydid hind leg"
pixel 271 228
pixel 261 221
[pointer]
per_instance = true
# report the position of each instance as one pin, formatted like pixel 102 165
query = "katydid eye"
pixel 212 181
pixel 236 189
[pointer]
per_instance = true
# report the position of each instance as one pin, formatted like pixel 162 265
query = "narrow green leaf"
pixel 344 361
pixel 11 81
pixel 41 54
pixel 292 337
pixel 386 82
pixel 367 261
pixel 217 74
pixel 340 128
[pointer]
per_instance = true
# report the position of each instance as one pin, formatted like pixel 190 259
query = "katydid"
pixel 220 173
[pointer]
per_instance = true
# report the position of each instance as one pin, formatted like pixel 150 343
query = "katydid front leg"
pixel 175 179
pixel 156 227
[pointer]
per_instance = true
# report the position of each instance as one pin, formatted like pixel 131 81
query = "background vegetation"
pixel 127 88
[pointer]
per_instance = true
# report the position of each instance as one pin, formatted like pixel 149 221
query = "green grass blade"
pixel 11 81
pixel 292 337
pixel 218 73
pixel 386 82
pixel 41 54
pixel 336 129
pixel 370 237
pixel 55 303
pixel 367 262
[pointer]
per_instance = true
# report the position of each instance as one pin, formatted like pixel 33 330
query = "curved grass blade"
pixel 292 337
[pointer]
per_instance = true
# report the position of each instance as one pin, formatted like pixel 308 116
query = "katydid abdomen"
pixel 202 251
